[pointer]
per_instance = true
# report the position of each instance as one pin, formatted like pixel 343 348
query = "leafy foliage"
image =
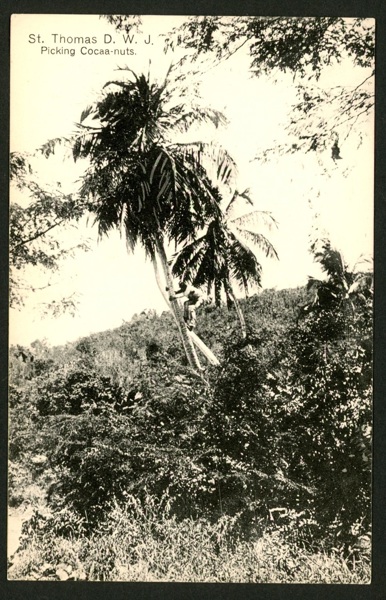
pixel 322 118
pixel 343 289
pixel 333 440
pixel 285 43
pixel 124 22
pixel 73 390
pixel 31 226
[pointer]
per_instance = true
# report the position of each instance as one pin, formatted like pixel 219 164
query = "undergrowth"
pixel 145 542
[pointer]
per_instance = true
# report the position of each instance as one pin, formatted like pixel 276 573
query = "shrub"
pixel 72 389
pixel 245 427
pixel 328 418
pixel 93 460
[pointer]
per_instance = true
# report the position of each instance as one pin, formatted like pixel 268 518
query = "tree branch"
pixel 37 235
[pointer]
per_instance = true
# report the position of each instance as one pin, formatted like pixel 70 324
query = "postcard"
pixel 191 298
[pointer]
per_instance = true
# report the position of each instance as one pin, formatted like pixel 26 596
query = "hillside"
pixel 116 435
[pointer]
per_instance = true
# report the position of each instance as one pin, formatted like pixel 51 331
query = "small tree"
pixel 328 412
pixel 342 288
pixel 31 242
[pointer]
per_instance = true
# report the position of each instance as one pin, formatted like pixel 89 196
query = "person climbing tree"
pixel 194 299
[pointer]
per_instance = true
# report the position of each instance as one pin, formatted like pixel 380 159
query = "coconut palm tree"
pixel 221 255
pixel 342 287
pixel 154 189
pixel 338 303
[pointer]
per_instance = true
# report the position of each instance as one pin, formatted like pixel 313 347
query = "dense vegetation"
pixel 262 466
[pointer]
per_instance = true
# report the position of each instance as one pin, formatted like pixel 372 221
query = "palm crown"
pixel 342 286
pixel 138 178
pixel 221 255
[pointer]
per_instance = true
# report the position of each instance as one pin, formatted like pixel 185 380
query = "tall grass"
pixel 145 542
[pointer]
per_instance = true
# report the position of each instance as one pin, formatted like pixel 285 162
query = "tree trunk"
pixel 161 287
pixel 217 293
pixel 176 310
pixel 240 313
pixel 196 340
pixel 207 352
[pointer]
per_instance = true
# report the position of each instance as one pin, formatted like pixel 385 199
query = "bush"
pixel 147 441
pixel 244 425
pixel 328 418
pixel 93 460
pixel 289 424
pixel 72 389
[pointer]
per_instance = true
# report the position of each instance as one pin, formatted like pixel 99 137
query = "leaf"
pixel 85 113
pixel 155 164
pixel 49 147
pixel 260 241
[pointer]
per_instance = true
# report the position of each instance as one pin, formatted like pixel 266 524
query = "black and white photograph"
pixel 191 298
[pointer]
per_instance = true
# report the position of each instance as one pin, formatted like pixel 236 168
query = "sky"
pixel 49 90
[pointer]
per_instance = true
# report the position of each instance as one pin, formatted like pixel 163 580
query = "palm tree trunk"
pixel 207 352
pixel 240 313
pixel 176 309
pixel 160 286
pixel 196 340
pixel 217 293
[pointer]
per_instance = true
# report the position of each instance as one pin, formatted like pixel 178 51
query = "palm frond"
pixel 86 113
pixel 188 258
pixel 330 259
pixel 362 282
pixel 183 119
pixel 256 218
pixel 244 265
pixel 236 195
pixel 214 159
pixel 260 241
pixel 49 147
